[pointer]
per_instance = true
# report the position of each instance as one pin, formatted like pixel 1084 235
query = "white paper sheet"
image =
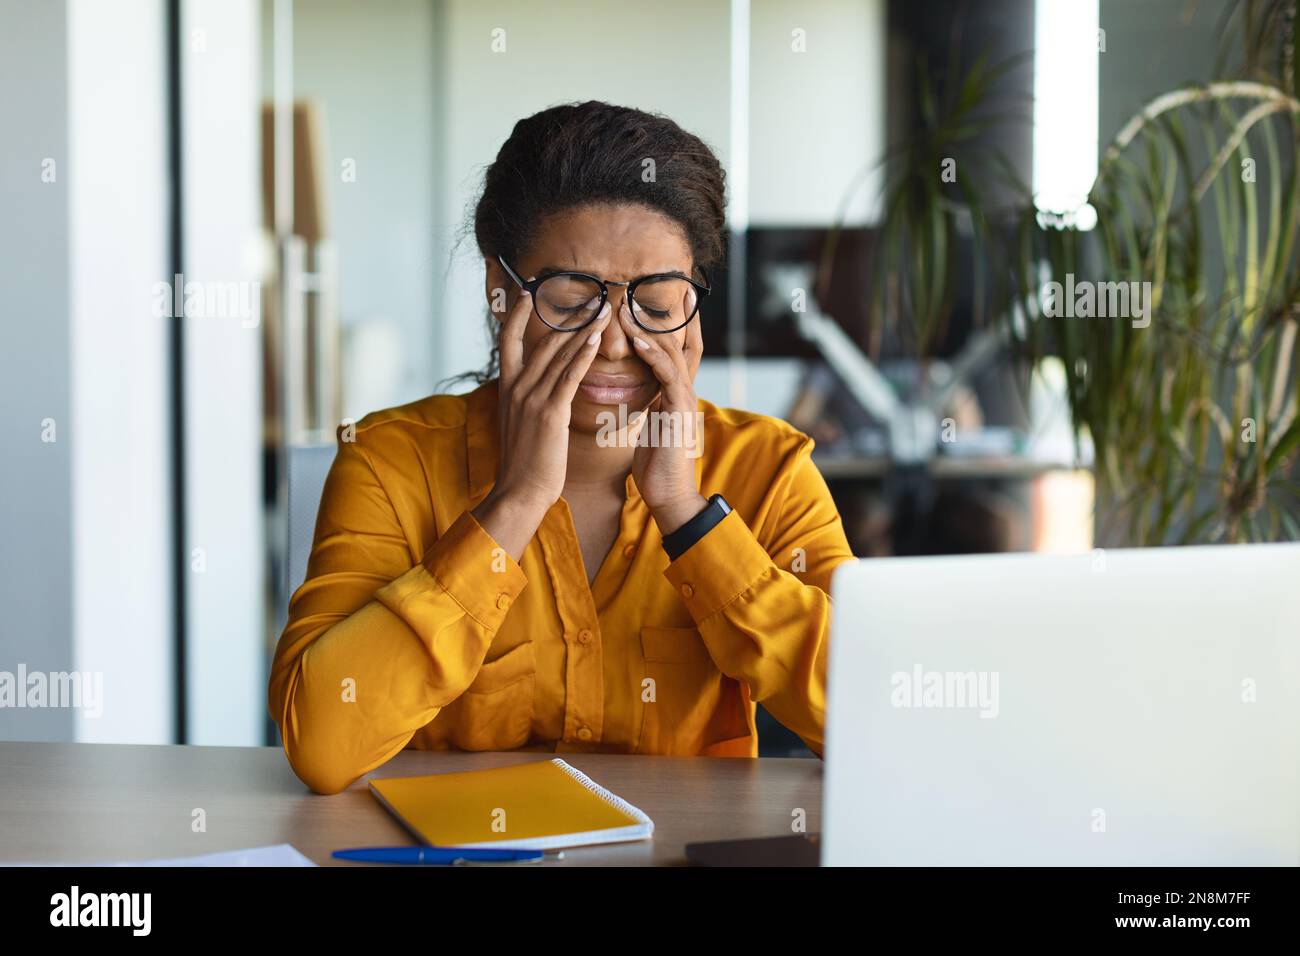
pixel 281 854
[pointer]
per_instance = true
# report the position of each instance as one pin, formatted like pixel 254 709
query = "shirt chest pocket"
pixel 496 711
pixel 687 703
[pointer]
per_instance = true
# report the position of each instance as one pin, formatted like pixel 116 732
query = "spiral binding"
pixel 612 799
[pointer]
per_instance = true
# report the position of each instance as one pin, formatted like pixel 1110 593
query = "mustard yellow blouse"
pixel 415 629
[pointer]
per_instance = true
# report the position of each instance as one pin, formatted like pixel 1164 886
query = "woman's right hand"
pixel 536 399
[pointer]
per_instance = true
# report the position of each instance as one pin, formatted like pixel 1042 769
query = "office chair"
pixel 308 467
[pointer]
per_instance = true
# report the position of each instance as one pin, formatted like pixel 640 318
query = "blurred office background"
pixel 311 164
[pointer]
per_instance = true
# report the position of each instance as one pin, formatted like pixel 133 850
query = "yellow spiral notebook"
pixel 542 805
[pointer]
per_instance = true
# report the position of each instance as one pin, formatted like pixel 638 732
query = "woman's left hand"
pixel 664 466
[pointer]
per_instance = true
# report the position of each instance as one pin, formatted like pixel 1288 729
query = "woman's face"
pixel 614 242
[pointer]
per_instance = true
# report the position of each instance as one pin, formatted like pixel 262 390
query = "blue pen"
pixel 436 855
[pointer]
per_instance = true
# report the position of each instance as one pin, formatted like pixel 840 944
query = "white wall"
pixel 371 68
pixel 226 643
pixel 121 505
pixel 35 367
pixel 86 580
pixel 817 118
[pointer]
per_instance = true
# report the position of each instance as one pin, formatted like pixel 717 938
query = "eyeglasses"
pixel 568 301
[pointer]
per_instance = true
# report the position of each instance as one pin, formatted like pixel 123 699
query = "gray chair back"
pixel 308 467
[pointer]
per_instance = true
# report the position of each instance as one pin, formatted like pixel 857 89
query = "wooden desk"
pixel 88 803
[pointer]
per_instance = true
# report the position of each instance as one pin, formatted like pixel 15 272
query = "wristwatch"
pixel 680 541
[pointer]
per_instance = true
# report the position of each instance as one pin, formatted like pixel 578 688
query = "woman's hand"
pixel 535 406
pixel 664 472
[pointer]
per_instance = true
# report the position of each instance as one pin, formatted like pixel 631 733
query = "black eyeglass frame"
pixel 531 287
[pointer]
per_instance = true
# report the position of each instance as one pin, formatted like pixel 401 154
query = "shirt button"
pixel 629 551
pixel 584 636
pixel 584 733
pixel 503 601
pixel 687 590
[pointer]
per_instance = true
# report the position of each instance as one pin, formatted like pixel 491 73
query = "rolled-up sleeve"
pixel 376 643
pixel 763 609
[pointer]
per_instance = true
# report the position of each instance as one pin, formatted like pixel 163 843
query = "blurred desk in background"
pixel 941 467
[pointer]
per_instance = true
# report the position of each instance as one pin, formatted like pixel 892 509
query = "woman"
pixel 509 569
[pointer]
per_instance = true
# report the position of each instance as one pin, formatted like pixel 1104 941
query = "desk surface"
pixel 85 803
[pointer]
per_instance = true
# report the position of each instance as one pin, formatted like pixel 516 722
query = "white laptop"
pixel 1125 707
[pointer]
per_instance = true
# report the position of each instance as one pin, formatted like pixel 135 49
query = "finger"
pixel 569 376
pixel 676 352
pixel 572 347
pixel 539 362
pixel 637 420
pixel 669 342
pixel 669 370
pixel 510 344
pixel 694 346
pixel 668 345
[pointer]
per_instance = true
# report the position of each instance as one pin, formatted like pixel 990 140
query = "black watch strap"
pixel 680 541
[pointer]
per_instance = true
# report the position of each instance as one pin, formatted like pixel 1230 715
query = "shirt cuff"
pixel 470 566
pixel 718 568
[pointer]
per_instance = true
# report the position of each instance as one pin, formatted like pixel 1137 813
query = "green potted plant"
pixel 1191 414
